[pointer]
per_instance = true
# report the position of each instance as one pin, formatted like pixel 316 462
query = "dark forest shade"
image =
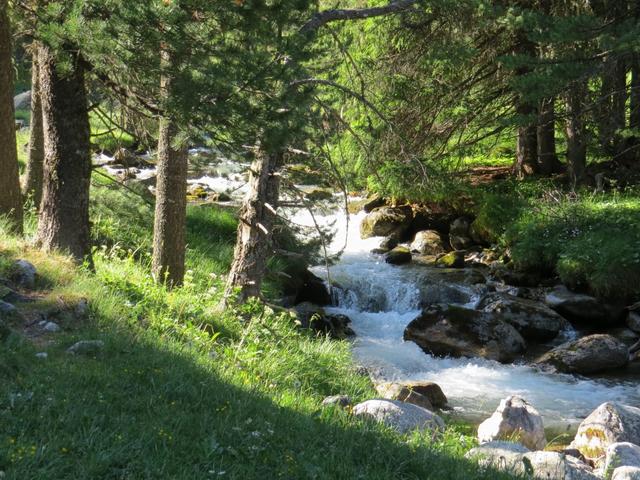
pixel 35 163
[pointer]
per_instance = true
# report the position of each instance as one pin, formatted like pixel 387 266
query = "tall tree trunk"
pixel 64 211
pixel 10 195
pixel 253 241
pixel 634 115
pixel 576 134
pixel 169 230
pixel 547 157
pixel 33 176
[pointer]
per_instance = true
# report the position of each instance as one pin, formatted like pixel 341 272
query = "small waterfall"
pixel 382 299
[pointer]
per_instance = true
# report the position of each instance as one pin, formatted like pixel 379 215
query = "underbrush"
pixel 180 389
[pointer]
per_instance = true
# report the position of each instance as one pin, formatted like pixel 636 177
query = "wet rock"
pixel 402 417
pixel 428 242
pixel 386 221
pixel 432 391
pixel 583 309
pixel 509 276
pixel 372 203
pixel 307 287
pixel 24 274
pixel 633 321
pixel 451 260
pixel 342 401
pixel 515 420
pixel 403 393
pixel 387 244
pixel 626 473
pixel 86 347
pixel 556 466
pixel 398 256
pixel 459 234
pixel 453 276
pixel 534 320
pixel 502 456
pixel 315 318
pixel 622 454
pixel 591 354
pixel 461 332
pixel 440 293
pixel 610 423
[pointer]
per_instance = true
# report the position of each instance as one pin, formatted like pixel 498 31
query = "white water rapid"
pixel 382 299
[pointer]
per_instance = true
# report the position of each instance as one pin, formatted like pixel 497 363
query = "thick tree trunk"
pixel 576 134
pixel 10 195
pixel 169 229
pixel 634 115
pixel 64 211
pixel 33 175
pixel 547 157
pixel 257 217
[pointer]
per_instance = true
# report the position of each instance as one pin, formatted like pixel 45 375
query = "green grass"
pixel 182 390
pixel 106 137
pixel 22 141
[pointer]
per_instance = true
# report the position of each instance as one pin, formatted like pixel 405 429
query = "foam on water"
pixel 382 299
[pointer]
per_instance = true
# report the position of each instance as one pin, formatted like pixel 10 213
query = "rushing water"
pixel 382 299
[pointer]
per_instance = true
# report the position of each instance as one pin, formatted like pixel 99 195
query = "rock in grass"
pixel 337 400
pixel 398 256
pixel 24 274
pixel 403 393
pixel 626 473
pixel 402 417
pixel 590 354
pixel 556 466
pixel 514 420
pixel 432 391
pixel 622 454
pixel 610 423
pixel 86 347
pixel 503 456
pixel 51 327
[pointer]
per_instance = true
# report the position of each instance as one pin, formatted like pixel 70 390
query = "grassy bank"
pixel 179 389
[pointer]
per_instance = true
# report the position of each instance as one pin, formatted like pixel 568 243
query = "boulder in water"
pixel 432 391
pixel 462 332
pixel 315 318
pixel 535 321
pixel 610 423
pixel 514 420
pixel 584 309
pixel 428 242
pixel 403 393
pixel 402 417
pixel 590 354
pixel 622 454
pixel 372 203
pixel 386 221
pixel 398 256
pixel 451 260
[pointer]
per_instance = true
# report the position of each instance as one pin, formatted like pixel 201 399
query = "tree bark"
pixel 35 163
pixel 10 195
pixel 64 213
pixel 576 134
pixel 254 237
pixel 547 157
pixel 169 230
pixel 634 115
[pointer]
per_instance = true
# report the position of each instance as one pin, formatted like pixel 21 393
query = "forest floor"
pixel 178 389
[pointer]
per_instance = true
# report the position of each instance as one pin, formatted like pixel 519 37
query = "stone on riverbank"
pixel 402 417
pixel 403 393
pixel 591 354
pixel 514 420
pixel 583 309
pixel 622 454
pixel 503 456
pixel 610 423
pixel 385 221
pixel 461 332
pixel 398 256
pixel 428 242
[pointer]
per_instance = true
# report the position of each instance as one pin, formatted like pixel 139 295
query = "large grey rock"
pixel 626 473
pixel 22 101
pixel 402 417
pixel 24 273
pixel 514 420
pixel 428 242
pixel 591 354
pixel 535 321
pixel 462 332
pixel 583 309
pixel 503 456
pixel 403 393
pixel 610 423
pixel 556 466
pixel 386 221
pixel 622 454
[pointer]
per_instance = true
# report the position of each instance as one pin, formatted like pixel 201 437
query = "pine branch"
pixel 326 16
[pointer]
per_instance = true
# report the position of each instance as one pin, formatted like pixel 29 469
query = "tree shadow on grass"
pixel 152 408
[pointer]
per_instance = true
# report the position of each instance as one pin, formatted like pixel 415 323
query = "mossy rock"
pixel 398 256
pixel 451 260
